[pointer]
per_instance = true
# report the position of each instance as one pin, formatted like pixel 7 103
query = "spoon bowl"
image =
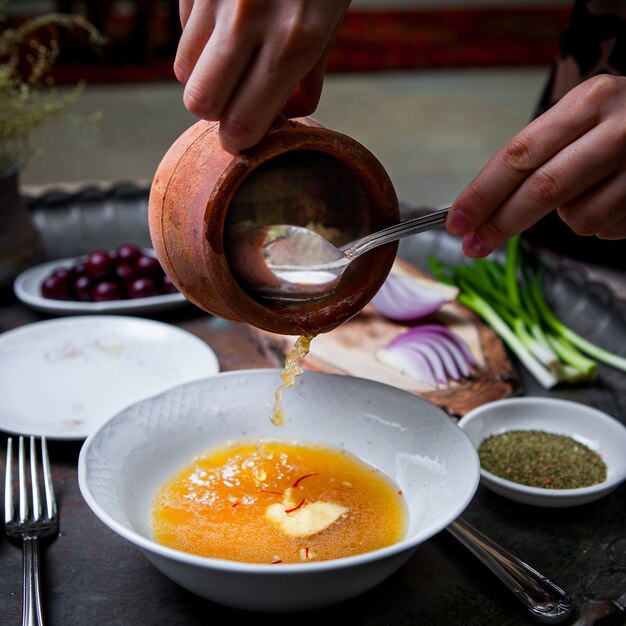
pixel 287 262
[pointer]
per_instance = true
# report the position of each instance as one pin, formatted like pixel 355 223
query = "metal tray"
pixel 581 549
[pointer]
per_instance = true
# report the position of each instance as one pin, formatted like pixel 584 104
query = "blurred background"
pixel 431 87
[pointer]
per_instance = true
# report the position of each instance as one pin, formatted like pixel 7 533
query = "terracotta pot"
pixel 300 173
pixel 21 244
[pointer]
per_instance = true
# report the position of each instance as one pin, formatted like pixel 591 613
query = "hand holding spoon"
pixel 288 262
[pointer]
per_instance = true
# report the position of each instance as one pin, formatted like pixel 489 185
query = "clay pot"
pixel 300 173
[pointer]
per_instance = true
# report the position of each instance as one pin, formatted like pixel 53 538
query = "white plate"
pixel 27 288
pixel 63 378
pixel 593 428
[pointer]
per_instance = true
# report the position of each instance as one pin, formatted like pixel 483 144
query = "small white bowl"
pixel 593 428
pixel 412 441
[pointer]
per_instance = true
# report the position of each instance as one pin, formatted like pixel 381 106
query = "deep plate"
pixel 27 288
pixel 62 378
pixel 593 428
pixel 413 442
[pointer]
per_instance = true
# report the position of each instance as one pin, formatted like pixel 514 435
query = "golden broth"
pixel 276 502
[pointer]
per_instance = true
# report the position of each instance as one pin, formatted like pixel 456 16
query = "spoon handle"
pixel 546 602
pixel 397 231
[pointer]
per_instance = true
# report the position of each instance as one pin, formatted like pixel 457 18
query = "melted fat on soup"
pixel 274 502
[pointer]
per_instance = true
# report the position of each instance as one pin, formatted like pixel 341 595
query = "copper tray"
pixel 93 576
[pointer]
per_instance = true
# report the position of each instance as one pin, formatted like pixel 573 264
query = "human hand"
pixel 572 158
pixel 244 61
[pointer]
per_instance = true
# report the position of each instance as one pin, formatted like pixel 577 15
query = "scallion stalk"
pixel 508 296
pixel 480 306
pixel 589 348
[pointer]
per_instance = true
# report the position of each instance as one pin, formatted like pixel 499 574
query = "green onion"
pixel 591 349
pixel 507 294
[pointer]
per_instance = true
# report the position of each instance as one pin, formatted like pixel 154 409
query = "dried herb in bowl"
pixel 541 459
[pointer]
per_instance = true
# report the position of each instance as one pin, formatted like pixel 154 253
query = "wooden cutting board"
pixel 351 349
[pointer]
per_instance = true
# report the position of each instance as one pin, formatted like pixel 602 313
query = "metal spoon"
pixel 545 602
pixel 282 261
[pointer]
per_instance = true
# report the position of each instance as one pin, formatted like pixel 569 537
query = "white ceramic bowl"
pixel 593 428
pixel 412 441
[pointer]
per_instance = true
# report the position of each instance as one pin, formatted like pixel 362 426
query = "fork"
pixel 20 523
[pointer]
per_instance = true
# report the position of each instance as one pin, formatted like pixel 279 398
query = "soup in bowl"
pixel 352 456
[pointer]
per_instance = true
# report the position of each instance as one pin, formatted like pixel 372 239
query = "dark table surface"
pixel 92 576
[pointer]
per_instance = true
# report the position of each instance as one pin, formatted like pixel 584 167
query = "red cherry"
pixel 57 286
pixel 62 273
pixel 149 267
pixel 105 291
pixel 142 288
pixel 83 287
pixel 167 286
pixel 128 253
pixel 99 264
pixel 124 272
pixel 79 269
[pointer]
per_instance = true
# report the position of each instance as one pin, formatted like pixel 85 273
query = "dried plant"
pixel 28 53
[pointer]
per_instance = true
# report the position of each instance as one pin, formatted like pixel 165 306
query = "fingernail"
pixel 473 247
pixel 458 223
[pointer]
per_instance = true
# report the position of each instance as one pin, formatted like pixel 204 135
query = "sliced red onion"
pixel 410 362
pixel 431 353
pixel 468 357
pixel 450 365
pixel 403 297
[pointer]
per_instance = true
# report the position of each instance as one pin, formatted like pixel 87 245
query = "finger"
pixel 243 124
pixel 568 175
pixel 217 74
pixel 600 210
pixel 273 76
pixel 184 10
pixel 197 29
pixel 306 96
pixel 563 124
pixel 617 231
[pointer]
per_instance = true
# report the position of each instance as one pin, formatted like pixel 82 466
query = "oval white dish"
pixel 27 287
